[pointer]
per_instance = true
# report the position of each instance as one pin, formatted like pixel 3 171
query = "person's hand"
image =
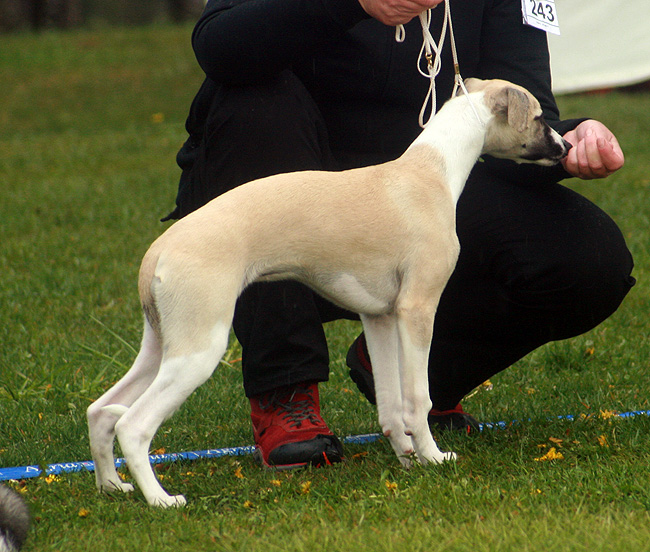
pixel 396 12
pixel 595 152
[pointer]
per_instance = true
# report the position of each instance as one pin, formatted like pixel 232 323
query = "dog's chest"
pixel 355 293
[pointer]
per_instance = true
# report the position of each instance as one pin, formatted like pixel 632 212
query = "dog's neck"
pixel 457 134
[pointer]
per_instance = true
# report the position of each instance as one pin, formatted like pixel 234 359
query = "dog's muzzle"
pixel 551 151
pixel 567 147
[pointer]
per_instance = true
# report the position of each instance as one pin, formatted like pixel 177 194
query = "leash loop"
pixel 431 52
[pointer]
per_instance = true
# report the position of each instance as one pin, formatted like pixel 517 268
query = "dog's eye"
pixel 524 146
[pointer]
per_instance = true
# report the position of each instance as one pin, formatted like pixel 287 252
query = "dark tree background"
pixel 43 14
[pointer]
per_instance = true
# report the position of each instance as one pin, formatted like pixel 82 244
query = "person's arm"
pixel 518 53
pixel 240 41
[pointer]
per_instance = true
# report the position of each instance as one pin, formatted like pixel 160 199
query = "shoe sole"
pixel 319 460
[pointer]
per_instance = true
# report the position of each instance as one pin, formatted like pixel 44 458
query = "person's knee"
pixel 606 275
pixel 582 283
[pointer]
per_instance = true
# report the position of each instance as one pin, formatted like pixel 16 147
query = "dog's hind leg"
pixel 178 377
pixel 382 341
pixel 102 419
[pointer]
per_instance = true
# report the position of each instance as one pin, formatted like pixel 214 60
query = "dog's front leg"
pixel 415 317
pixel 382 340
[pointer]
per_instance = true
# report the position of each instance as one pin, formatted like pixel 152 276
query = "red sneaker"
pixel 456 419
pixel 289 431
pixel 358 360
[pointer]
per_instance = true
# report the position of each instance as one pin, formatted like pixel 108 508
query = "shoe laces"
pixel 295 412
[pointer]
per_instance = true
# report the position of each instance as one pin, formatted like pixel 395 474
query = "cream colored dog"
pixel 379 241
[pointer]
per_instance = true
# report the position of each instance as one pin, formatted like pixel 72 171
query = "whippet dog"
pixel 379 241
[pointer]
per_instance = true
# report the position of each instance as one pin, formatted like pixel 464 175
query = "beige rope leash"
pixel 432 52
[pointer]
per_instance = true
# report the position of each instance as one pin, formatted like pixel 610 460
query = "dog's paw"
pixel 407 461
pixel 168 501
pixel 439 458
pixel 449 456
pixel 112 487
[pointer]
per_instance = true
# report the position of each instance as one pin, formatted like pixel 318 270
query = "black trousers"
pixel 537 263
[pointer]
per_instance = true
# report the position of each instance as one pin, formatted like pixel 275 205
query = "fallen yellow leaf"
pixel 552 454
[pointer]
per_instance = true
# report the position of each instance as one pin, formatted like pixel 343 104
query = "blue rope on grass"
pixel 26 472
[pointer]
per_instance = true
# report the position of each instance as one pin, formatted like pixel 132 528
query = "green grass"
pixel 90 126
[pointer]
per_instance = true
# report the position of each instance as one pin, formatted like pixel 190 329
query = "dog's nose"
pixel 567 146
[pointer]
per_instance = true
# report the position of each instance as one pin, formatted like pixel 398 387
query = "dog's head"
pixel 517 130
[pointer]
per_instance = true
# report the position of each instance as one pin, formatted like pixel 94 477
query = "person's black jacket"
pixel 365 83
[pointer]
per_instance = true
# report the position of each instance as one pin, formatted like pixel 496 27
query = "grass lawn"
pixel 90 124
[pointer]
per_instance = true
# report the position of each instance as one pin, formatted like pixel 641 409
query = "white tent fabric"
pixel 603 43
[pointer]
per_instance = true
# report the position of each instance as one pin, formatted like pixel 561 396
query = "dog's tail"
pixel 14 520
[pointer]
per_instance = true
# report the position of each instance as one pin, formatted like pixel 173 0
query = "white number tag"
pixel 541 14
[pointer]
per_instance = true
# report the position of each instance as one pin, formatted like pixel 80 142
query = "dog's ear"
pixel 514 104
pixel 518 109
